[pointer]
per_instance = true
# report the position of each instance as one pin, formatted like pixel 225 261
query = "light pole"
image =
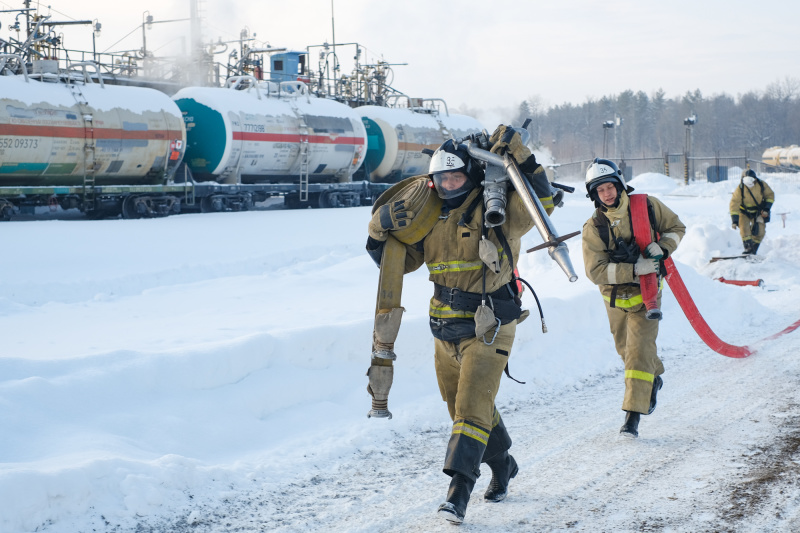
pixel 147 21
pixel 607 125
pixel 688 122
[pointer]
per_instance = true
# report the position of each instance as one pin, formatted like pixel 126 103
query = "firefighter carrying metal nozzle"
pixel 511 140
pixel 440 220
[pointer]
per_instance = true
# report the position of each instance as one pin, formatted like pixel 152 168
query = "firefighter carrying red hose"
pixel 614 262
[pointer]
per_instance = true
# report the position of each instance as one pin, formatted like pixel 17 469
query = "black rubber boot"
pixel 755 248
pixel 748 248
pixel 455 507
pixel 630 428
pixel 657 384
pixel 503 469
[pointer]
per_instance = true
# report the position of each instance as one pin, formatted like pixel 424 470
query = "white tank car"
pixel 261 135
pixel 396 136
pixel 789 157
pixel 54 133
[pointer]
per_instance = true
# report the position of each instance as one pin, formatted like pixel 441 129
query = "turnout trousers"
pixel 469 373
pixel 635 340
pixel 750 229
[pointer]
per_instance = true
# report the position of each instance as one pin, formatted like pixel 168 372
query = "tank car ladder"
pixel 443 129
pixel 304 145
pixel 89 147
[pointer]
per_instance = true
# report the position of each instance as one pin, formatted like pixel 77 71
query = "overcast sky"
pixel 490 54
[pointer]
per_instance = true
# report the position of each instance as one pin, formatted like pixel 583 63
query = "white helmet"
pixel 450 157
pixel 604 171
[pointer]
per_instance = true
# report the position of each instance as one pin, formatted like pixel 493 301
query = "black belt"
pixel 501 300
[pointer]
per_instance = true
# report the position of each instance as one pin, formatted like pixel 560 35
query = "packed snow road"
pixel 205 373
pixel 720 453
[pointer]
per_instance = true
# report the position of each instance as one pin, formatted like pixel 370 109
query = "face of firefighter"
pixel 749 180
pixel 607 192
pixel 453 180
pixel 451 184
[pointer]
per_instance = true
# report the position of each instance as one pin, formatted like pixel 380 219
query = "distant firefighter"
pixel 750 210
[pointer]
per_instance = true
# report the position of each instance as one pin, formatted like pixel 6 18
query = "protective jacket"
pixel 618 279
pixel 750 201
pixel 450 250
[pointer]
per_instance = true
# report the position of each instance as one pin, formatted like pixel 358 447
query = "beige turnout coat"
pixel 450 251
pixel 602 272
pixel 747 203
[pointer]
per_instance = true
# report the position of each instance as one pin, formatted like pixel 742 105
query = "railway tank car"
pixel 69 133
pixel 396 136
pixel 268 132
pixel 782 157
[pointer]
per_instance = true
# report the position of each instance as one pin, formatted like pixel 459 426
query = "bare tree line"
pixel 653 125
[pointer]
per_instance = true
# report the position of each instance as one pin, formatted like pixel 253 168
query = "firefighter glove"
pixel 645 266
pixel 765 215
pixel 503 140
pixel 734 221
pixel 389 217
pixel 653 251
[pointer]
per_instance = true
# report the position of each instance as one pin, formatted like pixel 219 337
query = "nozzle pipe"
pixel 558 251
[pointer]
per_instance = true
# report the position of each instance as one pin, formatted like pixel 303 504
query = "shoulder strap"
pixel 651 213
pixel 601 223
pixel 498 230
pixel 466 218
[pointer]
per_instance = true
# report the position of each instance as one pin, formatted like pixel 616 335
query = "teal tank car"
pixel 396 137
pixel 265 132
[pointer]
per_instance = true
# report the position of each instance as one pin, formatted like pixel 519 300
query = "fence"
pixel 678 166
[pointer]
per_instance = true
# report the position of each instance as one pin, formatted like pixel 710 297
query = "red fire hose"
pixel 742 283
pixel 641 232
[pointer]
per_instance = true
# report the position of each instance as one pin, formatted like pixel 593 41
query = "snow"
pixel 206 373
pixel 104 98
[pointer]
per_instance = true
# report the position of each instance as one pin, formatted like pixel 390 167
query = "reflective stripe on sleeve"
pixel 673 237
pixel 639 374
pixel 612 273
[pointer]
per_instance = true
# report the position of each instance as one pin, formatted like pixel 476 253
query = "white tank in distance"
pixel 257 136
pixel 396 137
pixel 771 156
pixel 51 134
pixel 790 157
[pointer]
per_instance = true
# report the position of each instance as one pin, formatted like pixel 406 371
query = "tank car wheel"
pixel 212 204
pixel 6 210
pixel 325 199
pixel 129 208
